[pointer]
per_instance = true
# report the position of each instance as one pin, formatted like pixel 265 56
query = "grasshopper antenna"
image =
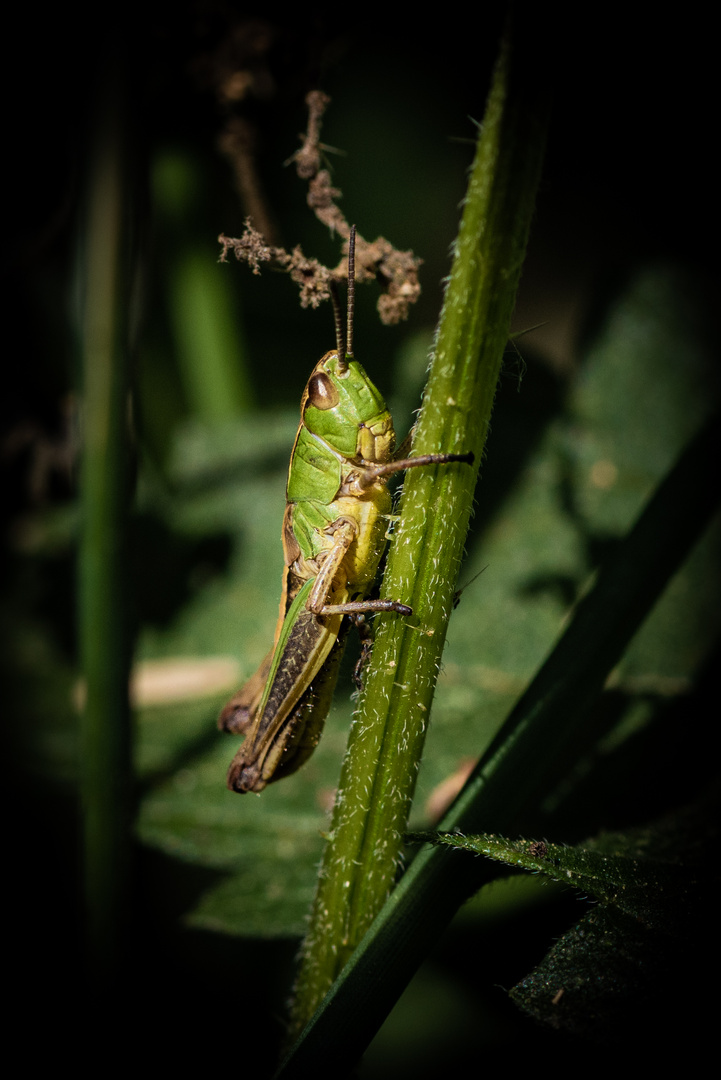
pixel 351 296
pixel 338 319
pixel 344 341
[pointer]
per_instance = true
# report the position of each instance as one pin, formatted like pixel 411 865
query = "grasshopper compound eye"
pixel 322 394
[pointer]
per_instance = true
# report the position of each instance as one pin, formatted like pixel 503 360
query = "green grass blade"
pixel 106 756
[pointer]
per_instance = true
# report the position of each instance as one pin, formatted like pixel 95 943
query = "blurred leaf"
pixel 203 308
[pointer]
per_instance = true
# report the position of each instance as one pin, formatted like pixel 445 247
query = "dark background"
pixel 629 178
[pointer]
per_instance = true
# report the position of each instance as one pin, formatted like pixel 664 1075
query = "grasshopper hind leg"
pixel 301 731
pixel 239 713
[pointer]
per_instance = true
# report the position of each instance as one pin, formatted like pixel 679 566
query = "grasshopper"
pixel 334 535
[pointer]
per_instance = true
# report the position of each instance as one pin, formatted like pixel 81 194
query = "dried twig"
pixel 237 142
pixel 307 159
pixel 312 276
pixel 395 271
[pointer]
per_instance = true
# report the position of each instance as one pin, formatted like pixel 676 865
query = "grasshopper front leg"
pixel 374 473
pixel 344 532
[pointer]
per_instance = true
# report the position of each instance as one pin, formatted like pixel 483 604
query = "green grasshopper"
pixel 334 535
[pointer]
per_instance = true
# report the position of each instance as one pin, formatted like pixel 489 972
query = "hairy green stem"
pixel 363 854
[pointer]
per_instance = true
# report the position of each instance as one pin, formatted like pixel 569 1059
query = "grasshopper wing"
pixel 275 730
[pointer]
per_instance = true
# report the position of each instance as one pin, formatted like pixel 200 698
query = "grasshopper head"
pixel 347 411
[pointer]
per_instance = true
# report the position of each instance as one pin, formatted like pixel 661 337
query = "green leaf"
pixel 619 870
pixel 631 952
